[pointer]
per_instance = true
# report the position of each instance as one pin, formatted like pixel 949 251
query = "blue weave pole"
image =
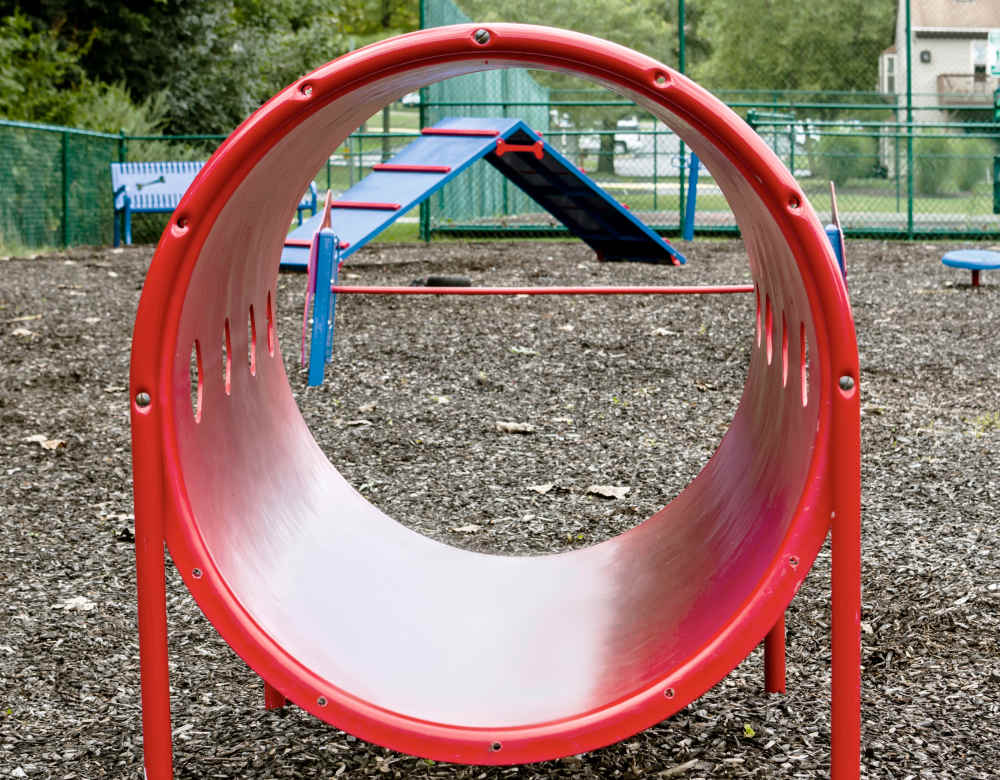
pixel 837 242
pixel 322 326
pixel 688 234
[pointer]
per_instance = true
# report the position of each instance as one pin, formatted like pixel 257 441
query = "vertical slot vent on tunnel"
pixel 756 293
pixel 804 363
pixel 227 358
pixel 195 380
pixel 252 343
pixel 270 324
pixel 769 328
pixel 784 350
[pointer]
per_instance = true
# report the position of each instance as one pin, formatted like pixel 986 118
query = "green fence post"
pixel 122 146
pixel 656 138
pixel 909 125
pixel 681 205
pixel 681 66
pixel 791 147
pixel 996 184
pixel 65 189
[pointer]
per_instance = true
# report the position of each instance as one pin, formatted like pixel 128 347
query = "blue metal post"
pixel 322 325
pixel 691 198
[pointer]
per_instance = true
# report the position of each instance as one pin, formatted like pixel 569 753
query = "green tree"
pixel 213 61
pixel 775 44
pixel 648 26
pixel 40 79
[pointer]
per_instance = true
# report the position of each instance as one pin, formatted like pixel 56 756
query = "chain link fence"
pixel 912 150
pixel 55 189
pixel 908 159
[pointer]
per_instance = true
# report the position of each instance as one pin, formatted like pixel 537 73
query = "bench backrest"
pixel 159 186
pixel 152 186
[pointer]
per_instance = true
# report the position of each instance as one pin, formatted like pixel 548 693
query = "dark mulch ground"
pixel 623 392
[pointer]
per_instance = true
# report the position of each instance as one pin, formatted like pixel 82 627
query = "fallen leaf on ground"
pixel 609 491
pixel 357 423
pixel 543 489
pixel 25 318
pixel 680 769
pixel 76 604
pixel 44 441
pixel 469 528
pixel 515 427
pixel 23 332
pixel 523 351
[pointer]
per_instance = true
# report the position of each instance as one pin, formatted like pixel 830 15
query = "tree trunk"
pixel 606 154
pixel 386 150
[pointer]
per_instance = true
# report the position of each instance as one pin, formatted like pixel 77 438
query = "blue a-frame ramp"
pixel 445 150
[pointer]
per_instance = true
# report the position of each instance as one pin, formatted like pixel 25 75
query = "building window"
pixel 925 56
pixel 887 75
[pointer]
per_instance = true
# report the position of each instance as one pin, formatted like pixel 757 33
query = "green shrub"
pixel 843 157
pixel 933 165
pixel 974 163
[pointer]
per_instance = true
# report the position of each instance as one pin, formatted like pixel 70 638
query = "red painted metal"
pixel 537 148
pixel 457 131
pixel 273 698
pixel 308 242
pixel 362 204
pixel 975 277
pixel 445 653
pixel 400 168
pixel 774 658
pixel 358 289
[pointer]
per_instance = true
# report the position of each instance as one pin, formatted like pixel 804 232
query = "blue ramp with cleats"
pixel 451 146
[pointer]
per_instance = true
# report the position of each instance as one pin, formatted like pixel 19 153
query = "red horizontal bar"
pixel 394 167
pixel 459 131
pixel 537 148
pixel 308 242
pixel 687 290
pixel 363 204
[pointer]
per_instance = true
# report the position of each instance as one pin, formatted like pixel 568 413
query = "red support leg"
pixel 150 578
pixel 845 730
pixel 273 698
pixel 975 277
pixel 774 658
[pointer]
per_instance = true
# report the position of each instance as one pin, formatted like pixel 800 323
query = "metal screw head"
pixel 481 36
pixel 143 400
pixel 846 383
pixel 321 701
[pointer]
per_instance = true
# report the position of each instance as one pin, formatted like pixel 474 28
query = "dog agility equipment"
pixel 441 652
pixel 975 260
pixel 451 146
pixel 157 188
pixel 326 256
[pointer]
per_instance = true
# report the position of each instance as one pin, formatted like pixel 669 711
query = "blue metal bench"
pixel 157 188
pixel 974 260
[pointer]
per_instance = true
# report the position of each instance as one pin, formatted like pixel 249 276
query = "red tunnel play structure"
pixel 433 650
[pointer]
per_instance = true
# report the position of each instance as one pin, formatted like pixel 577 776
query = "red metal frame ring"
pixel 436 651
